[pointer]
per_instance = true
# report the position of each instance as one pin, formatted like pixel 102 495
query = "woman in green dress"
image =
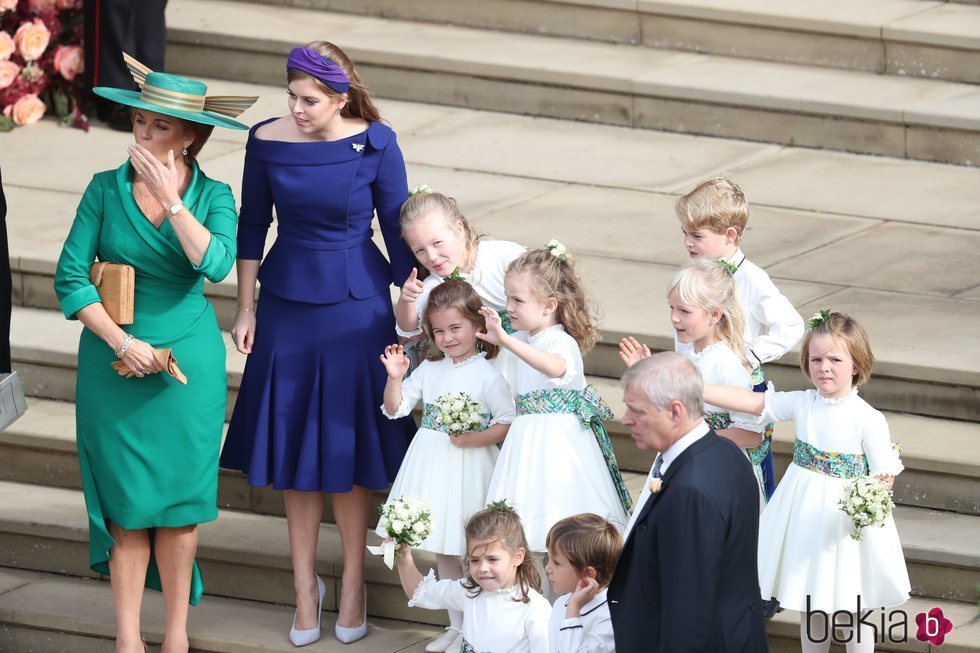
pixel 148 445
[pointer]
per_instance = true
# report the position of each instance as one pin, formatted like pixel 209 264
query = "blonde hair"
pixel 553 276
pixel 359 103
pixel 422 205
pixel 502 525
pixel 587 540
pixel 846 331
pixel 715 205
pixel 453 293
pixel 709 286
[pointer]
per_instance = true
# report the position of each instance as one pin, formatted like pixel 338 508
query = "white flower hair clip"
pixel 421 189
pixel 818 318
pixel 556 249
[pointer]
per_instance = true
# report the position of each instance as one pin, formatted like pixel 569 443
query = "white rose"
pixel 401 512
pixel 397 527
pixel 418 527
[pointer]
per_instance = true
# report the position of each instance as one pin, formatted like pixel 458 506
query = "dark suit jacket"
pixel 687 580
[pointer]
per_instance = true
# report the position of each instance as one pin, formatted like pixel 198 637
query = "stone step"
pixel 941 457
pixel 597 82
pixel 895 37
pixel 246 556
pixel 45 613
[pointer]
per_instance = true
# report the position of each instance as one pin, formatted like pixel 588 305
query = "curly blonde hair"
pixel 553 276
pixel 709 286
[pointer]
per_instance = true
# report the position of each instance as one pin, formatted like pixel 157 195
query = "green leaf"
pixel 61 104
pixel 6 123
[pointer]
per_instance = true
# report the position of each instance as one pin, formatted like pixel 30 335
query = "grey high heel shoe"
pixel 350 635
pixel 310 635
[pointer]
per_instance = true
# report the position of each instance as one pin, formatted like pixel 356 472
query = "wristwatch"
pixel 174 209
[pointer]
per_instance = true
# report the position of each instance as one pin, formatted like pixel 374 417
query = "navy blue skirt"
pixel 307 416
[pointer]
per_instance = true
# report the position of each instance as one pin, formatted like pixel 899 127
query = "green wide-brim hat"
pixel 177 96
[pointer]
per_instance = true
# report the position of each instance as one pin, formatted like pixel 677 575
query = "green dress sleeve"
pixel 71 279
pixel 221 220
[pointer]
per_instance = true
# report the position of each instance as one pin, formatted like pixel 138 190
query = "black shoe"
pixel 770 608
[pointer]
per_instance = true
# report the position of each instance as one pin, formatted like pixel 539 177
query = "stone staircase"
pixel 892 241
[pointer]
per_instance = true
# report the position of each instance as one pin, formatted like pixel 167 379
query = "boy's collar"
pixel 737 257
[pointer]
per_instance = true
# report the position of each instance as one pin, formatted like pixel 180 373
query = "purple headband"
pixel 315 64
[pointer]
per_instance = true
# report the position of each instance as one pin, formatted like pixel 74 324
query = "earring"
pixel 184 152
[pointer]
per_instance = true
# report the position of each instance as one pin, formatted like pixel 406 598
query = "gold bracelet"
pixel 243 309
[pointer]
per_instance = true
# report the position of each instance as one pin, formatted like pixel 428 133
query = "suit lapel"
pixel 686 456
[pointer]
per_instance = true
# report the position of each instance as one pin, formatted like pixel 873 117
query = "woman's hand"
pixel 243 331
pixel 632 352
pixel 411 289
pixel 162 180
pixel 495 330
pixel 395 361
pixel 139 358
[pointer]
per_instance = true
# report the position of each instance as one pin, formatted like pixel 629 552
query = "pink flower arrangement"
pixel 41 61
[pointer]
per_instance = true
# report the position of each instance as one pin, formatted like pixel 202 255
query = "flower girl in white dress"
pixel 448 470
pixel 557 460
pixel 808 560
pixel 503 611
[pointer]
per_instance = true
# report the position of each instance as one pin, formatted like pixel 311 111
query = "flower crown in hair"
pixel 556 249
pixel 731 268
pixel 500 506
pixel 421 189
pixel 818 318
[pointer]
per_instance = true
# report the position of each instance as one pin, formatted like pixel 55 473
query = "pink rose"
pixel 31 39
pixel 7 5
pixel 28 110
pixel 69 60
pixel 8 73
pixel 7 46
pixel 69 4
pixel 43 5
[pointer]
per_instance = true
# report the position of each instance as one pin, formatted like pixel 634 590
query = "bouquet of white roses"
pixel 458 413
pixel 868 502
pixel 406 520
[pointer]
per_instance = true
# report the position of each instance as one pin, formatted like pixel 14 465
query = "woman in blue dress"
pixel 307 418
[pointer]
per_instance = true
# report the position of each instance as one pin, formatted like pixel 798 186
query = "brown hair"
pixel 502 525
pixel 554 276
pixel 587 540
pixel 454 293
pixel 846 331
pixel 708 285
pixel 359 103
pixel 715 205
pixel 425 204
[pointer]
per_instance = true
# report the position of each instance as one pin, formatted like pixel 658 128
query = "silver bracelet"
pixel 126 343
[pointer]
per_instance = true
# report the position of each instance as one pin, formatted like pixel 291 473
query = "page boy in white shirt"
pixel 582 554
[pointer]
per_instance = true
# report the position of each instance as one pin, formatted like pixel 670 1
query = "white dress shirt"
pixel 590 632
pixel 669 456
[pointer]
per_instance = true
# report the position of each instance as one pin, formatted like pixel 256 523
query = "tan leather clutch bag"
pixel 116 285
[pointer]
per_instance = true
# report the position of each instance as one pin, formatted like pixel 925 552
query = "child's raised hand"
pixel 585 590
pixel 495 330
pixel 411 289
pixel 632 352
pixel 395 361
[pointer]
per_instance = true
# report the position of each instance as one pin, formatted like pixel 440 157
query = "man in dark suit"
pixel 687 580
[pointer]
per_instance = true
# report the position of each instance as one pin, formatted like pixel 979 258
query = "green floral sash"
pixel 831 463
pixel 590 409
